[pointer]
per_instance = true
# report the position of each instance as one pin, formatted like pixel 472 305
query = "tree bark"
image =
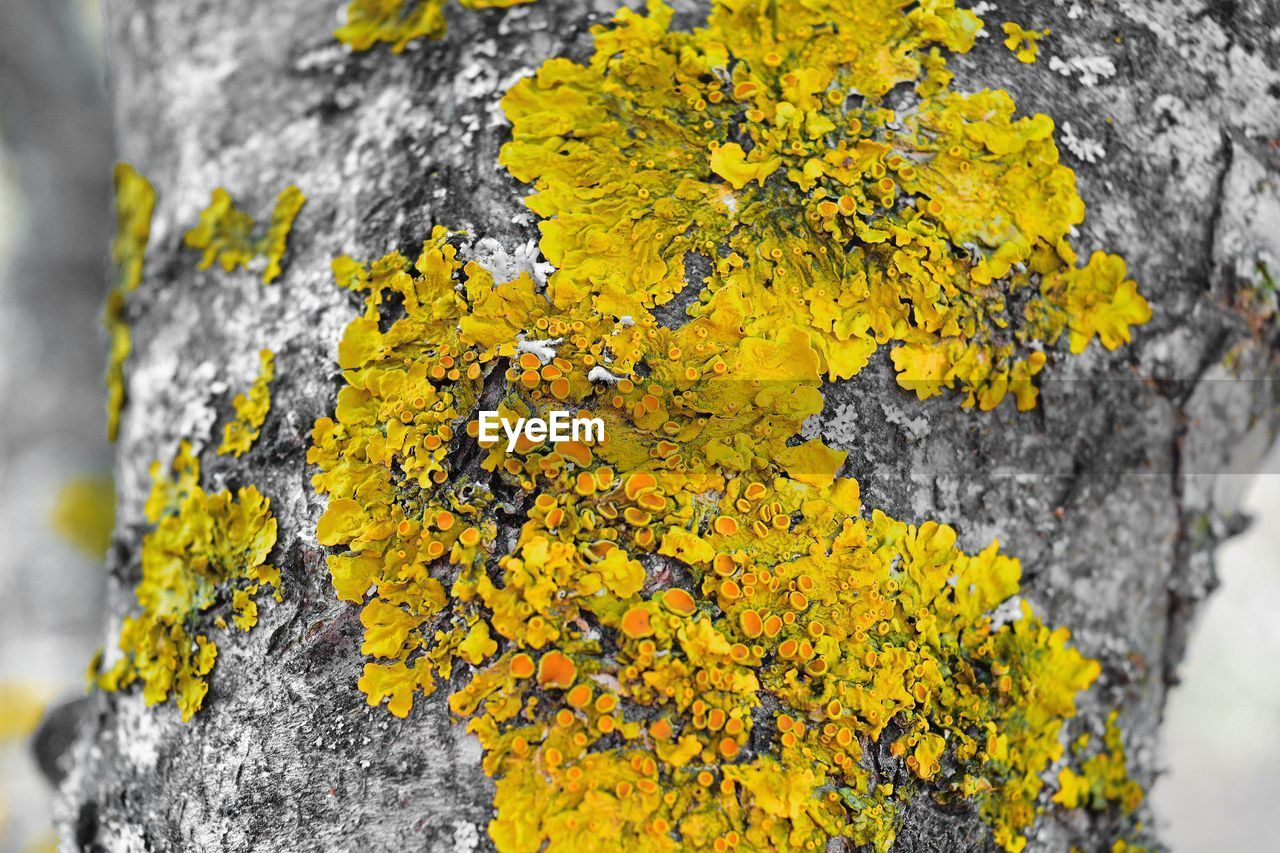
pixel 1104 492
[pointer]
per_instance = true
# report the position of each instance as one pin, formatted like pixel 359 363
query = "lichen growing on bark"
pixel 399 22
pixel 1102 781
pixel 251 409
pixel 225 233
pixel 1024 43
pixel 765 142
pixel 206 551
pixel 134 202
pixel 697 632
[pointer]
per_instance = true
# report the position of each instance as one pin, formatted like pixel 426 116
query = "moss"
pixel 697 633
pixel 251 409
pixel 134 203
pixel 399 22
pixel 1259 296
pixel 1266 283
pixel 225 233
pixel 206 551
pixel 85 514
pixel 763 142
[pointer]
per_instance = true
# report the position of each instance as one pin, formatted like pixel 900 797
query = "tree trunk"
pixel 1102 491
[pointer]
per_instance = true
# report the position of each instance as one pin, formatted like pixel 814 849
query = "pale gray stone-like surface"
pixel 1093 490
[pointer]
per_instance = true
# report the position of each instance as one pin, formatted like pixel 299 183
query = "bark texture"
pixel 1104 491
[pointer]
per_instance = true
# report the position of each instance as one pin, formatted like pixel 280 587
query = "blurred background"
pixel 1222 731
pixel 55 222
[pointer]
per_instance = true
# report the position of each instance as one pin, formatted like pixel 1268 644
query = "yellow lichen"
pixel 762 142
pixel 85 514
pixel 206 552
pixel 1103 780
pixel 399 22
pixel 134 201
pixel 697 631
pixel 1025 44
pixel 225 233
pixel 1123 845
pixel 251 409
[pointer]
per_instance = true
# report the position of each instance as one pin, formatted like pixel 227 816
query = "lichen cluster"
pixel 693 636
pixel 1024 43
pixel 225 234
pixel 1103 780
pixel 207 551
pixel 399 22
pixel 134 201
pixel 251 409
pixel 765 143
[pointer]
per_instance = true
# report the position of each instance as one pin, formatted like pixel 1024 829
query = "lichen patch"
pixel 765 142
pixel 206 551
pixel 401 22
pixel 226 234
pixel 251 409
pixel 690 634
pixel 135 201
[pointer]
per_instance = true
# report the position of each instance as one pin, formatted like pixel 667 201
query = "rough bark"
pixel 1101 491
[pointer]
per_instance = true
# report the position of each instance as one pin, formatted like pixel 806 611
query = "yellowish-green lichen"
pixel 1259 299
pixel 1103 780
pixel 1024 43
pixel 1123 845
pixel 763 142
pixel 251 409
pixel 399 22
pixel 697 634
pixel 225 233
pixel 206 551
pixel 85 514
pixel 134 201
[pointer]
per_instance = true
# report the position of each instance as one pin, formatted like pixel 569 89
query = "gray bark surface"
pixel 1104 491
